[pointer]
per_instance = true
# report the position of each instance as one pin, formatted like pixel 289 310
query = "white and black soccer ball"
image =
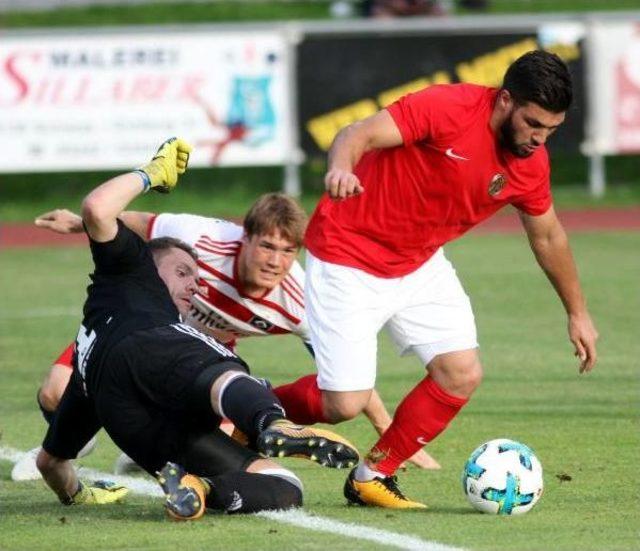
pixel 503 477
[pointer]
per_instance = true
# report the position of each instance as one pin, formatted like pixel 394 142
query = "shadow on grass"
pixel 137 512
pixel 451 510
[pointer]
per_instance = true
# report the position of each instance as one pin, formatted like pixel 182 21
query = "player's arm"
pixel 374 132
pixel 550 246
pixel 61 477
pixel 60 221
pixel 101 208
pixel 137 221
pixel 64 221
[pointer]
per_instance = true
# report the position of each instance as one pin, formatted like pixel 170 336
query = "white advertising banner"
pixel 107 101
pixel 616 80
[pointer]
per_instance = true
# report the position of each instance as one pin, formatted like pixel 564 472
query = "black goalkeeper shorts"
pixel 152 396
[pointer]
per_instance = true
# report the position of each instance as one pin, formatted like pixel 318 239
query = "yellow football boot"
pixel 185 493
pixel 379 492
pixel 283 439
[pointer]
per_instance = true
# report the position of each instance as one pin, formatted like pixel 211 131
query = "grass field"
pixel 582 426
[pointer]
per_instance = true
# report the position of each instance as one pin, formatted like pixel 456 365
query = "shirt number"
pixel 84 345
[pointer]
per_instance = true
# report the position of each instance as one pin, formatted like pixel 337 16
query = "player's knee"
pixel 289 492
pixel 290 498
pixel 474 376
pixel 459 373
pixel 342 408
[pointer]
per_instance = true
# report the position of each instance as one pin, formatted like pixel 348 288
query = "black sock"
pixel 48 415
pixel 242 492
pixel 250 406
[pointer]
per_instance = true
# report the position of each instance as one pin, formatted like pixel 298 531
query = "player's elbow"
pixel 353 138
pixel 93 210
pixel 49 397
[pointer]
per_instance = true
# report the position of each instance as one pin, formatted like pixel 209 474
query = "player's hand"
pixel 584 335
pixel 423 460
pixel 341 184
pixel 169 162
pixel 100 492
pixel 60 221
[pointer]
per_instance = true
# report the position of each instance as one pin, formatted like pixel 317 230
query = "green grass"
pixel 583 426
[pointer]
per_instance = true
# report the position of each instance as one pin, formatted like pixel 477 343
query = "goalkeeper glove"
pixel 101 492
pixel 171 160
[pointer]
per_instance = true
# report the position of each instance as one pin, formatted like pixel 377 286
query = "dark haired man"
pixel 401 184
pixel 160 387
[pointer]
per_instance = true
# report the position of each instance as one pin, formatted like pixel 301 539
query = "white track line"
pixel 294 517
pixel 300 519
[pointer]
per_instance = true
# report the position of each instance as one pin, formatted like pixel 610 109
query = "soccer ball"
pixel 502 477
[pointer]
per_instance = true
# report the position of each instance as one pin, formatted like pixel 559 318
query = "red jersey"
pixel 449 175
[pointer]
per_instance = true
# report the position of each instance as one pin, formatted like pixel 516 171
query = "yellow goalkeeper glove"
pixel 100 492
pixel 171 160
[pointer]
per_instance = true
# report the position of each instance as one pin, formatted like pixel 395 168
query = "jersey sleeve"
pixel 432 113
pixel 66 357
pixel 125 253
pixel 186 227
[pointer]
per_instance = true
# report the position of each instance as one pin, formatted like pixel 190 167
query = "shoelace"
pixel 390 484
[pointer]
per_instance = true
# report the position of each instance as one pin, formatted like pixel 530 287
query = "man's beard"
pixel 508 139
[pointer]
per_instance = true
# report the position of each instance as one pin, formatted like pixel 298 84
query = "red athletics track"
pixel 619 219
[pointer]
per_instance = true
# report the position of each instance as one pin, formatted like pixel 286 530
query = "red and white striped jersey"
pixel 221 309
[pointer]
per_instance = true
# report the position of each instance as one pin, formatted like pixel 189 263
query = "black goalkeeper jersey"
pixel 126 295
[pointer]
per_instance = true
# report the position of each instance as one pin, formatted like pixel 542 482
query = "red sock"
pixel 302 400
pixel 423 414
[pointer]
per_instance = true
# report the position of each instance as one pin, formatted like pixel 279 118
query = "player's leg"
pixel 437 324
pixel 217 472
pixel 256 411
pixel 225 389
pixel 345 308
pixel 429 408
pixel 184 374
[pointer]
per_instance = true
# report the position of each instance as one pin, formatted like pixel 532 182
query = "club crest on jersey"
pixel 497 184
pixel 260 323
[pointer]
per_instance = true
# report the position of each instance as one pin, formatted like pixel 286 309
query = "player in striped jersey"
pixel 252 285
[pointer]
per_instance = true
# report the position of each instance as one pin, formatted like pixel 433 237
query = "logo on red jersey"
pixel 497 183
pixel 449 153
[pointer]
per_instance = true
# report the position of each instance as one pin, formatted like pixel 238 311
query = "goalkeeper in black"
pixel 159 387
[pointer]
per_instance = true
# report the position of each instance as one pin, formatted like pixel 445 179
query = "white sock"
pixel 364 473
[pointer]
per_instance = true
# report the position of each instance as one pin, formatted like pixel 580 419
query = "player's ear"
pixel 505 100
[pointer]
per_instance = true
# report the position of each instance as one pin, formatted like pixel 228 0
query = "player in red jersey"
pixel 401 184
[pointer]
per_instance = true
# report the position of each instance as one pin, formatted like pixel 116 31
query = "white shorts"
pixel 426 313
